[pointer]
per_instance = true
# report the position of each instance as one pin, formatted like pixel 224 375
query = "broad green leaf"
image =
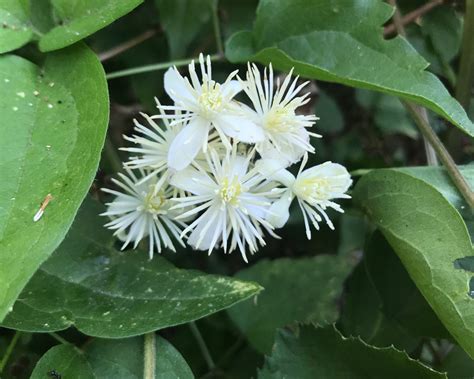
pixel 325 353
pixel 362 316
pixel 123 359
pixel 444 29
pixel 341 41
pixel 107 293
pixel 296 290
pixel 54 121
pixel 401 301
pixel 382 304
pixel 457 364
pixel 15 30
pixel 81 18
pixel 428 235
pixel 182 20
pixel 65 361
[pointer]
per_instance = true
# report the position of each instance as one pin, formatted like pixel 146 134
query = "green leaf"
pixel 107 293
pixel 54 121
pixel 15 30
pixel 428 235
pixel 444 28
pixel 341 41
pixel 182 20
pixel 382 304
pixel 123 358
pixel 301 290
pixel 64 360
pixel 82 18
pixel 325 353
pixel 457 364
pixel 362 315
pixel 401 301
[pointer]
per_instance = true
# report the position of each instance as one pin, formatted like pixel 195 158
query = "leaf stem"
pixel 155 67
pixel 149 359
pixel 121 48
pixel 466 67
pixel 58 338
pixel 217 28
pixel 429 152
pixel 9 351
pixel 202 345
pixel 443 154
pixel 110 153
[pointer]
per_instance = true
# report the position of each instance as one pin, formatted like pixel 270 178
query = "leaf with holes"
pixel 341 41
pixel 106 293
pixel 54 121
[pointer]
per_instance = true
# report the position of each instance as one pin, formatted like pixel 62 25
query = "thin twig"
pixel 155 67
pixel 412 16
pixel 202 345
pixel 9 351
pixel 217 28
pixel 119 49
pixel 149 359
pixel 466 67
pixel 111 154
pixel 58 338
pixel 442 154
pixel 429 152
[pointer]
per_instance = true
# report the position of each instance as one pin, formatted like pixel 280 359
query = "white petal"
pixel 230 89
pixel 193 181
pixel 207 238
pixel 274 169
pixel 176 86
pixel 187 144
pixel 337 175
pixel 240 128
pixel 279 212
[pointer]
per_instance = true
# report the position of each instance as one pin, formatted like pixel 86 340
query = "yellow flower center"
pixel 312 189
pixel 153 203
pixel 230 190
pixel 278 119
pixel 211 97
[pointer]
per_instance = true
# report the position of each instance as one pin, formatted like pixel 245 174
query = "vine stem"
pixel 149 359
pixel 121 48
pixel 9 351
pixel 217 28
pixel 429 151
pixel 156 67
pixel 443 154
pixel 202 345
pixel 466 66
pixel 111 154
pixel 412 16
pixel 58 338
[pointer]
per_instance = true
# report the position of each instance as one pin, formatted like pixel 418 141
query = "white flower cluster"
pixel 213 172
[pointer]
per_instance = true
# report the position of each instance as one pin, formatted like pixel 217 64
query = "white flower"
pixel 286 134
pixel 234 200
pixel 205 106
pixel 154 143
pixel 143 210
pixel 314 188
